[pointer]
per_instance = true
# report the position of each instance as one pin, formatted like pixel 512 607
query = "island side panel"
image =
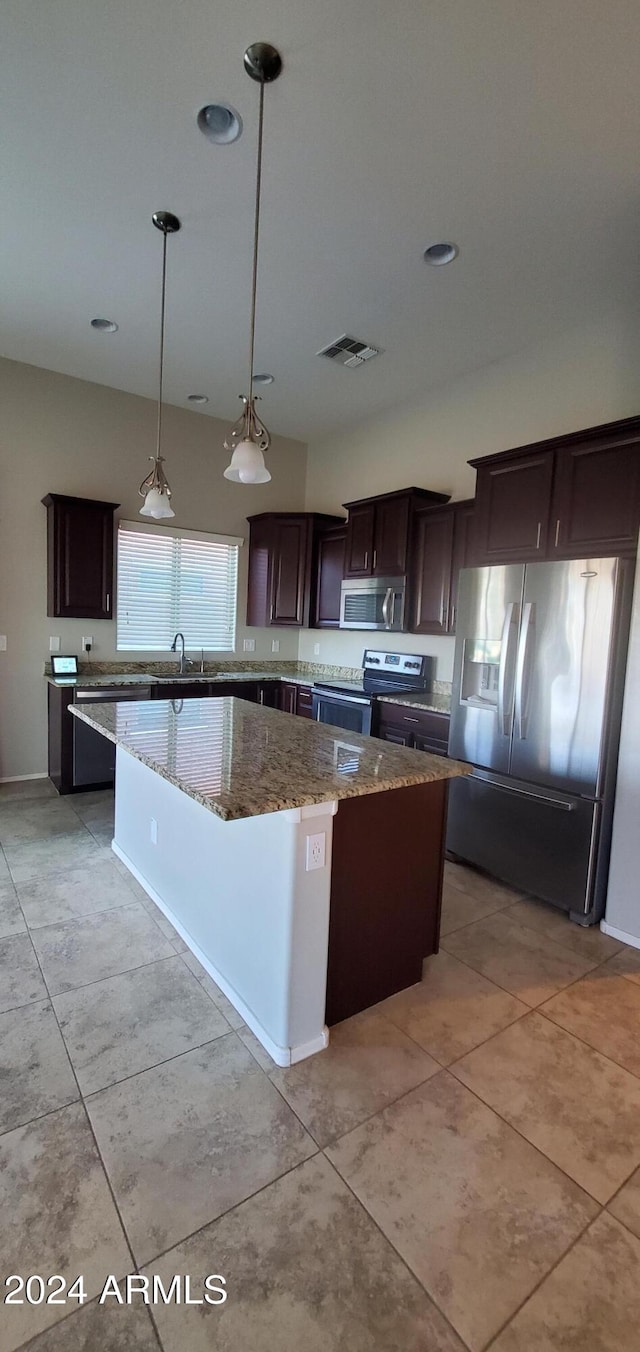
pixel 386 890
pixel 241 898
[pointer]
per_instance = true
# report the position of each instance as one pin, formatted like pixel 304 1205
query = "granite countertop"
pixel 150 678
pixel 420 699
pixel 241 760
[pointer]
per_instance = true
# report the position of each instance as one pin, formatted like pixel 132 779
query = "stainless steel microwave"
pixel 373 603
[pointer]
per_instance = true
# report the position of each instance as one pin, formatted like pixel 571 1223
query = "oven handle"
pixel 323 697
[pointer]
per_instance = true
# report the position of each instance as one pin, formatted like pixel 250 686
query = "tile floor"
pixel 461 1169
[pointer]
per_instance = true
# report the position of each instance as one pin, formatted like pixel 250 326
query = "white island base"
pixel 241 897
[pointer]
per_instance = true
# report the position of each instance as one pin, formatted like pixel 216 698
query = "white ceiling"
pixel 509 126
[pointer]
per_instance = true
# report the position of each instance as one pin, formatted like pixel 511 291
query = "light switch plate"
pixel 153 831
pixel 275 645
pixel 249 645
pixel 3 643
pixel 316 649
pixel 54 645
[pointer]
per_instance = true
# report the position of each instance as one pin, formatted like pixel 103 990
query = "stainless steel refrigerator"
pixel 537 697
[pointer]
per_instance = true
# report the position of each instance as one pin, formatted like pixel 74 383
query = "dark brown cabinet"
pixel 330 572
pixel 595 504
pixel 440 548
pixel 512 509
pixel 378 531
pixel 570 497
pixel 283 567
pixel 79 557
pixel 295 699
pixel 417 728
pixel 205 690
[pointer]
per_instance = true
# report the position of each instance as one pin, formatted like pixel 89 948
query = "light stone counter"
pixel 242 760
pixel 420 699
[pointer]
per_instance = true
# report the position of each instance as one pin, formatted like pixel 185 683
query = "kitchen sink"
pixel 182 676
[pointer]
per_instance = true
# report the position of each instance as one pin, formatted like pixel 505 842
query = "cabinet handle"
pixel 271 614
pixel 411 720
pixel 108 598
pixel 557 531
pixel 366 559
pixel 538 535
pixel 453 618
pixel 375 556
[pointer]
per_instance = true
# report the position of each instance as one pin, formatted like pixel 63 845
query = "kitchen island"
pixel 302 865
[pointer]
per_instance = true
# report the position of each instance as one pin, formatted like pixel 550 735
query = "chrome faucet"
pixel 184 661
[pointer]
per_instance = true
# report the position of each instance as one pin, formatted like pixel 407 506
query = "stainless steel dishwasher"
pixel 94 756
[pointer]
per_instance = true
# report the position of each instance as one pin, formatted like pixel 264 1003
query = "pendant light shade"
pixel 249 438
pixel 155 488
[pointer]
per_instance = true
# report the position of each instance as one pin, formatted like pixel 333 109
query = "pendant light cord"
pixel 162 308
pixel 256 232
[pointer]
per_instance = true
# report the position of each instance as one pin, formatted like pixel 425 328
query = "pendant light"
pixel 249 438
pixel 155 488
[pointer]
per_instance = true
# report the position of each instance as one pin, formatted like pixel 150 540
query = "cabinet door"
pixel 260 571
pixel 596 501
pixel 331 549
pixel 463 554
pixel 431 572
pixel 359 549
pixel 288 697
pixel 400 736
pixel 512 504
pixel 425 742
pixel 390 545
pixel 269 694
pixel 290 550
pixel 304 704
pixel 80 558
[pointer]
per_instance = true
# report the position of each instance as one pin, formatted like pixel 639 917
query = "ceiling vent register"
pixel 349 351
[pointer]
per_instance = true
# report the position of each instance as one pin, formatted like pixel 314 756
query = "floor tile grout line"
pixel 88 1121
pixel 596 962
pixel 574 981
pixel 618 1064
pixel 492 1341
pixel 537 933
pixel 387 1239
pixel 167 1060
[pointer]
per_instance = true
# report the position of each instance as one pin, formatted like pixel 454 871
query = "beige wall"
pixel 590 376
pixel 63 435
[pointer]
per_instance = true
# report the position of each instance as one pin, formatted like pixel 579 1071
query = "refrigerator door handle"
pixel 508 633
pixel 522 669
pixel 526 793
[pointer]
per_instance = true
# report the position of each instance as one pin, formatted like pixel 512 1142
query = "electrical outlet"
pixel 316 649
pixel 275 645
pixel 315 851
pixel 153 831
pixel 249 645
pixel 88 640
pixel 54 645
pixel 3 643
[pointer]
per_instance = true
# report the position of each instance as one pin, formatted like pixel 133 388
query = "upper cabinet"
pixel 284 551
pixel 79 557
pixel 570 497
pixel 441 545
pixel 378 532
pixel 330 572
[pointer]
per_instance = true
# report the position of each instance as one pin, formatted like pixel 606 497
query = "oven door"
pixel 342 711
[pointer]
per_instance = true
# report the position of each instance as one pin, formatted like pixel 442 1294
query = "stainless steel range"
pixel 350 704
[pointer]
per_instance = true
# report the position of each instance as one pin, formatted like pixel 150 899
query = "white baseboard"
pixel 283 1056
pixel 633 940
pixel 17 779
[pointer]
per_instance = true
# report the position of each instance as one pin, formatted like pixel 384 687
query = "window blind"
pixel 170 582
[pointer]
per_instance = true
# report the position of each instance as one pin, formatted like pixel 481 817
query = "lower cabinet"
pixel 205 689
pixel 295 699
pixel 418 728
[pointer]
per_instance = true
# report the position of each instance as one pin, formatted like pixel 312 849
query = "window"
pixel 171 580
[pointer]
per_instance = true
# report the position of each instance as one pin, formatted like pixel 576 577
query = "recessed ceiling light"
pixel 198 398
pixel 104 325
pixel 220 123
pixel 263 379
pixel 439 254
